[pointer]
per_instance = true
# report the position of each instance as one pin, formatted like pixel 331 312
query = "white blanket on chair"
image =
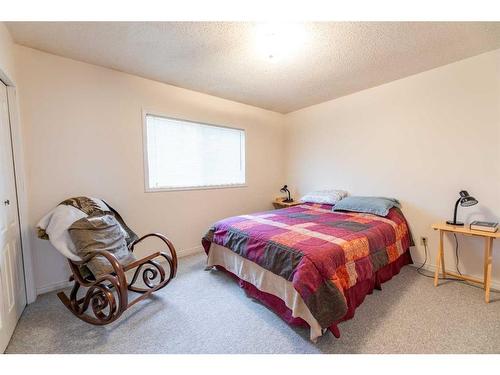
pixel 56 223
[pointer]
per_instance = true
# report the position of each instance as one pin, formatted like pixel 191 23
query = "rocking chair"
pixel 101 291
pixel 101 298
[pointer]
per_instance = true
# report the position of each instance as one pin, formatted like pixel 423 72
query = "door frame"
pixel 21 191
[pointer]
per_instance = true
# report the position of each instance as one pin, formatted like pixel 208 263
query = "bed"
pixel 310 265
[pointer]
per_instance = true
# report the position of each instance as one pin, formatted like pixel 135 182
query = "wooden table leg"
pixel 441 249
pixel 436 272
pixel 485 270
pixel 487 281
pixel 440 260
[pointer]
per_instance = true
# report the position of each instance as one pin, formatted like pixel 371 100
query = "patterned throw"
pixel 54 225
pixel 90 207
pixel 323 253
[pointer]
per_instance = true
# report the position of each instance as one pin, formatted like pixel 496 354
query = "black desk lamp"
pixel 284 189
pixel 465 200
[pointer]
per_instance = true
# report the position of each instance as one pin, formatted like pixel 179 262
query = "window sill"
pixel 157 190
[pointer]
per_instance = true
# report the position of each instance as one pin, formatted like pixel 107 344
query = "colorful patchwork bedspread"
pixel 323 253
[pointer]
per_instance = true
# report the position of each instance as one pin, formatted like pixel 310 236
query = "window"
pixel 188 155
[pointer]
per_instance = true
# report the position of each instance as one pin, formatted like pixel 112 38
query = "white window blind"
pixel 183 154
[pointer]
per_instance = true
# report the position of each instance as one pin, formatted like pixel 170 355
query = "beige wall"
pixel 420 139
pixel 83 127
pixel 7 66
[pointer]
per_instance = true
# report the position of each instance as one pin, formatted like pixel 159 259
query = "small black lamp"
pixel 284 189
pixel 465 200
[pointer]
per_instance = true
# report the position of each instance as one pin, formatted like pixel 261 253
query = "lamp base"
pixel 458 223
pixel 288 200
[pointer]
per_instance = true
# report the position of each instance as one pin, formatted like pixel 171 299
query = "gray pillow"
pixel 100 231
pixel 372 205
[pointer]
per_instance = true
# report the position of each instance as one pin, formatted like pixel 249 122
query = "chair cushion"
pixel 54 226
pixel 100 231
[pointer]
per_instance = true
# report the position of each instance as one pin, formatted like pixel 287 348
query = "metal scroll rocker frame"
pixel 107 295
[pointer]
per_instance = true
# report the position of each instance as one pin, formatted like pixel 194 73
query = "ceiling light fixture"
pixel 277 41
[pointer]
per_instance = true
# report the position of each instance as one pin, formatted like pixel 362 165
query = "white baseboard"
pixel 432 268
pixel 52 287
pixel 65 284
pixel 186 252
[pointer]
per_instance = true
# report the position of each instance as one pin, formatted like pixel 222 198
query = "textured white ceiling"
pixel 221 58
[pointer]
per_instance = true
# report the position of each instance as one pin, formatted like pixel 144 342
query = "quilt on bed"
pixel 323 253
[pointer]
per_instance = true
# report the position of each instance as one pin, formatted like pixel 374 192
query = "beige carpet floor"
pixel 206 312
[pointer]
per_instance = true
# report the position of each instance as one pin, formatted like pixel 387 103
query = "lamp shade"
pixel 465 200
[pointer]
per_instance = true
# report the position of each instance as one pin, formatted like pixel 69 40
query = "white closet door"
pixel 12 288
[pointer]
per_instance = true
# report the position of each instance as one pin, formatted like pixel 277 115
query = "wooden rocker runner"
pixel 101 298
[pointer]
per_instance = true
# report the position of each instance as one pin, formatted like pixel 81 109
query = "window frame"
pixel 149 189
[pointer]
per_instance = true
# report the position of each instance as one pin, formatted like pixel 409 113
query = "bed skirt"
pixel 354 295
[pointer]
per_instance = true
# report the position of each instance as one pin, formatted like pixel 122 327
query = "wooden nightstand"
pixel 278 203
pixel 488 245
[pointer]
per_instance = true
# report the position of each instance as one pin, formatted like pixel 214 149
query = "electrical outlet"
pixel 423 241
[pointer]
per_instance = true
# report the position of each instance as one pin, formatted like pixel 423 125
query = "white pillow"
pixel 324 196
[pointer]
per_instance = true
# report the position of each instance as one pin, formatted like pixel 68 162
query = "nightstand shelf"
pixel 488 257
pixel 278 203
